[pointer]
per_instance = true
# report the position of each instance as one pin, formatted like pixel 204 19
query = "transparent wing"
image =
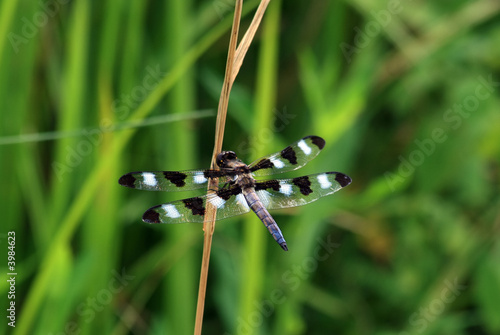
pixel 229 202
pixel 172 180
pixel 291 158
pixel 285 193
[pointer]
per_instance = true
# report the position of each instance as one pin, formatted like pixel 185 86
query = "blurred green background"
pixel 405 93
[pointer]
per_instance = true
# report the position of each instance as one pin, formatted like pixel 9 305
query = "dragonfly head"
pixel 225 157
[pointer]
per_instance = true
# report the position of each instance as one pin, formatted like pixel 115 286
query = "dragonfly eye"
pixel 229 155
pixel 224 157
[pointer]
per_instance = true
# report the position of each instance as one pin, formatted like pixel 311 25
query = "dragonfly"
pixel 238 191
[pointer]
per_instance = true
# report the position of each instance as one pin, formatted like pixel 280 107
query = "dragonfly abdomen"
pixel 258 208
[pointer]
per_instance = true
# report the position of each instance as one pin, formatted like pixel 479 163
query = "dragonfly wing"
pixel 285 193
pixel 171 180
pixel 229 202
pixel 291 158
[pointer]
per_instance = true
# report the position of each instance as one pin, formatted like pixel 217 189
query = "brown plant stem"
pixel 210 214
pixel 234 61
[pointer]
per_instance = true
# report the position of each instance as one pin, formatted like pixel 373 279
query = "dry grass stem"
pixel 209 221
pixel 234 61
pixel 248 38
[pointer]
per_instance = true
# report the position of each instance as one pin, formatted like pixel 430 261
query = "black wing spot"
pixel 304 184
pixel 151 216
pixel 318 141
pixel 343 179
pixel 262 164
pixel 229 192
pixel 195 205
pixel 176 178
pixel 289 154
pixel 272 184
pixel 127 180
pixel 214 173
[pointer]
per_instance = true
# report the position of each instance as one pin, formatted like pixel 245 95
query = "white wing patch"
pixel 217 201
pixel 277 163
pixel 199 178
pixel 171 211
pixel 149 179
pixel 304 147
pixel 240 199
pixel 323 181
pixel 285 188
